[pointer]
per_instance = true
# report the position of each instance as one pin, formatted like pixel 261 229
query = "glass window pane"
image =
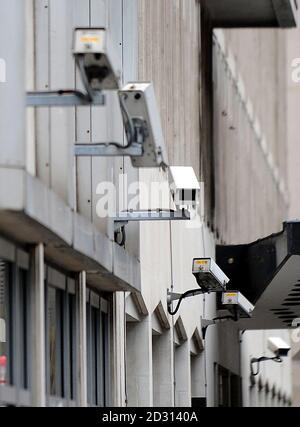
pixel 5 361
pixel 55 341
pixel 51 313
pixel 14 326
pixel 72 345
pixel 88 344
pixel 93 342
pixel 94 366
pixel 98 354
pixel 61 343
pixel 105 359
pixel 24 328
pixel 60 349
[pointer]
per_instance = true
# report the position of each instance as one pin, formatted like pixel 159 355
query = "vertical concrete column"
pixel 183 396
pixel 163 370
pixel 38 353
pixel 12 84
pixel 139 364
pixel 119 344
pixel 82 347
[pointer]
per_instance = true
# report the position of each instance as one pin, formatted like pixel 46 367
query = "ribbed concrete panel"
pixel 12 84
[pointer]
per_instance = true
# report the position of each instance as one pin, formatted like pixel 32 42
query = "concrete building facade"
pixel 84 321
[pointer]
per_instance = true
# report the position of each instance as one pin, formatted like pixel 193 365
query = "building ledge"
pixel 253 13
pixel 31 213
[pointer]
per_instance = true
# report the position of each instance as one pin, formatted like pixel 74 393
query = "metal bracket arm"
pixel 172 296
pixel 108 150
pixel 180 297
pixel 150 215
pixel 63 98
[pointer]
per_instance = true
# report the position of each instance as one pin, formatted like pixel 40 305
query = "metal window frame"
pixel 107 361
pixel 22 333
pixel 229 376
pixel 17 260
pixel 71 325
pixel 98 350
pixel 66 342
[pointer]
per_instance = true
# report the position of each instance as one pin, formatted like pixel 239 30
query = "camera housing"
pixel 185 188
pixel 209 276
pixel 141 106
pixel 278 346
pixel 237 304
pixel 93 59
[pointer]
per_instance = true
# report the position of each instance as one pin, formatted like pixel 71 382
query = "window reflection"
pixel 52 338
pixel 4 323
pixel 61 342
pixel 14 326
pixel 98 353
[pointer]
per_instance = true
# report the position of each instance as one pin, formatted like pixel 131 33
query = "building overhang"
pixel 31 213
pixel 252 13
pixel 267 272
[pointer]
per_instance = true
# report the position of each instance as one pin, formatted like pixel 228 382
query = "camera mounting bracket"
pixel 126 217
pixel 63 98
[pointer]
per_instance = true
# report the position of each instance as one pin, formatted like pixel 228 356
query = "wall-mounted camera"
pixel 209 276
pixel 279 347
pixel 139 102
pixel 237 304
pixel 93 59
pixel 185 187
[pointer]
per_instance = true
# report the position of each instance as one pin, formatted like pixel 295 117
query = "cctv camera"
pixel 185 187
pixel 91 53
pixel 278 346
pixel 237 304
pixel 209 276
pixel 139 102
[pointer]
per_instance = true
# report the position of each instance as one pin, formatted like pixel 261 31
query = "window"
pixel 55 331
pixel 15 330
pixel 60 338
pixel 97 350
pixel 5 310
pixel 229 390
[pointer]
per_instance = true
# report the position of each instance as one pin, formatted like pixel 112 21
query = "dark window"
pixel 229 388
pixel 97 352
pixel 55 339
pixel 61 342
pixel 24 328
pixel 5 316
pixel 72 348
pixel 199 402
pixel 15 328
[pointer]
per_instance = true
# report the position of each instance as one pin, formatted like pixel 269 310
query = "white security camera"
pixel 139 104
pixel 209 276
pixel 278 346
pixel 237 304
pixel 93 60
pixel 185 187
